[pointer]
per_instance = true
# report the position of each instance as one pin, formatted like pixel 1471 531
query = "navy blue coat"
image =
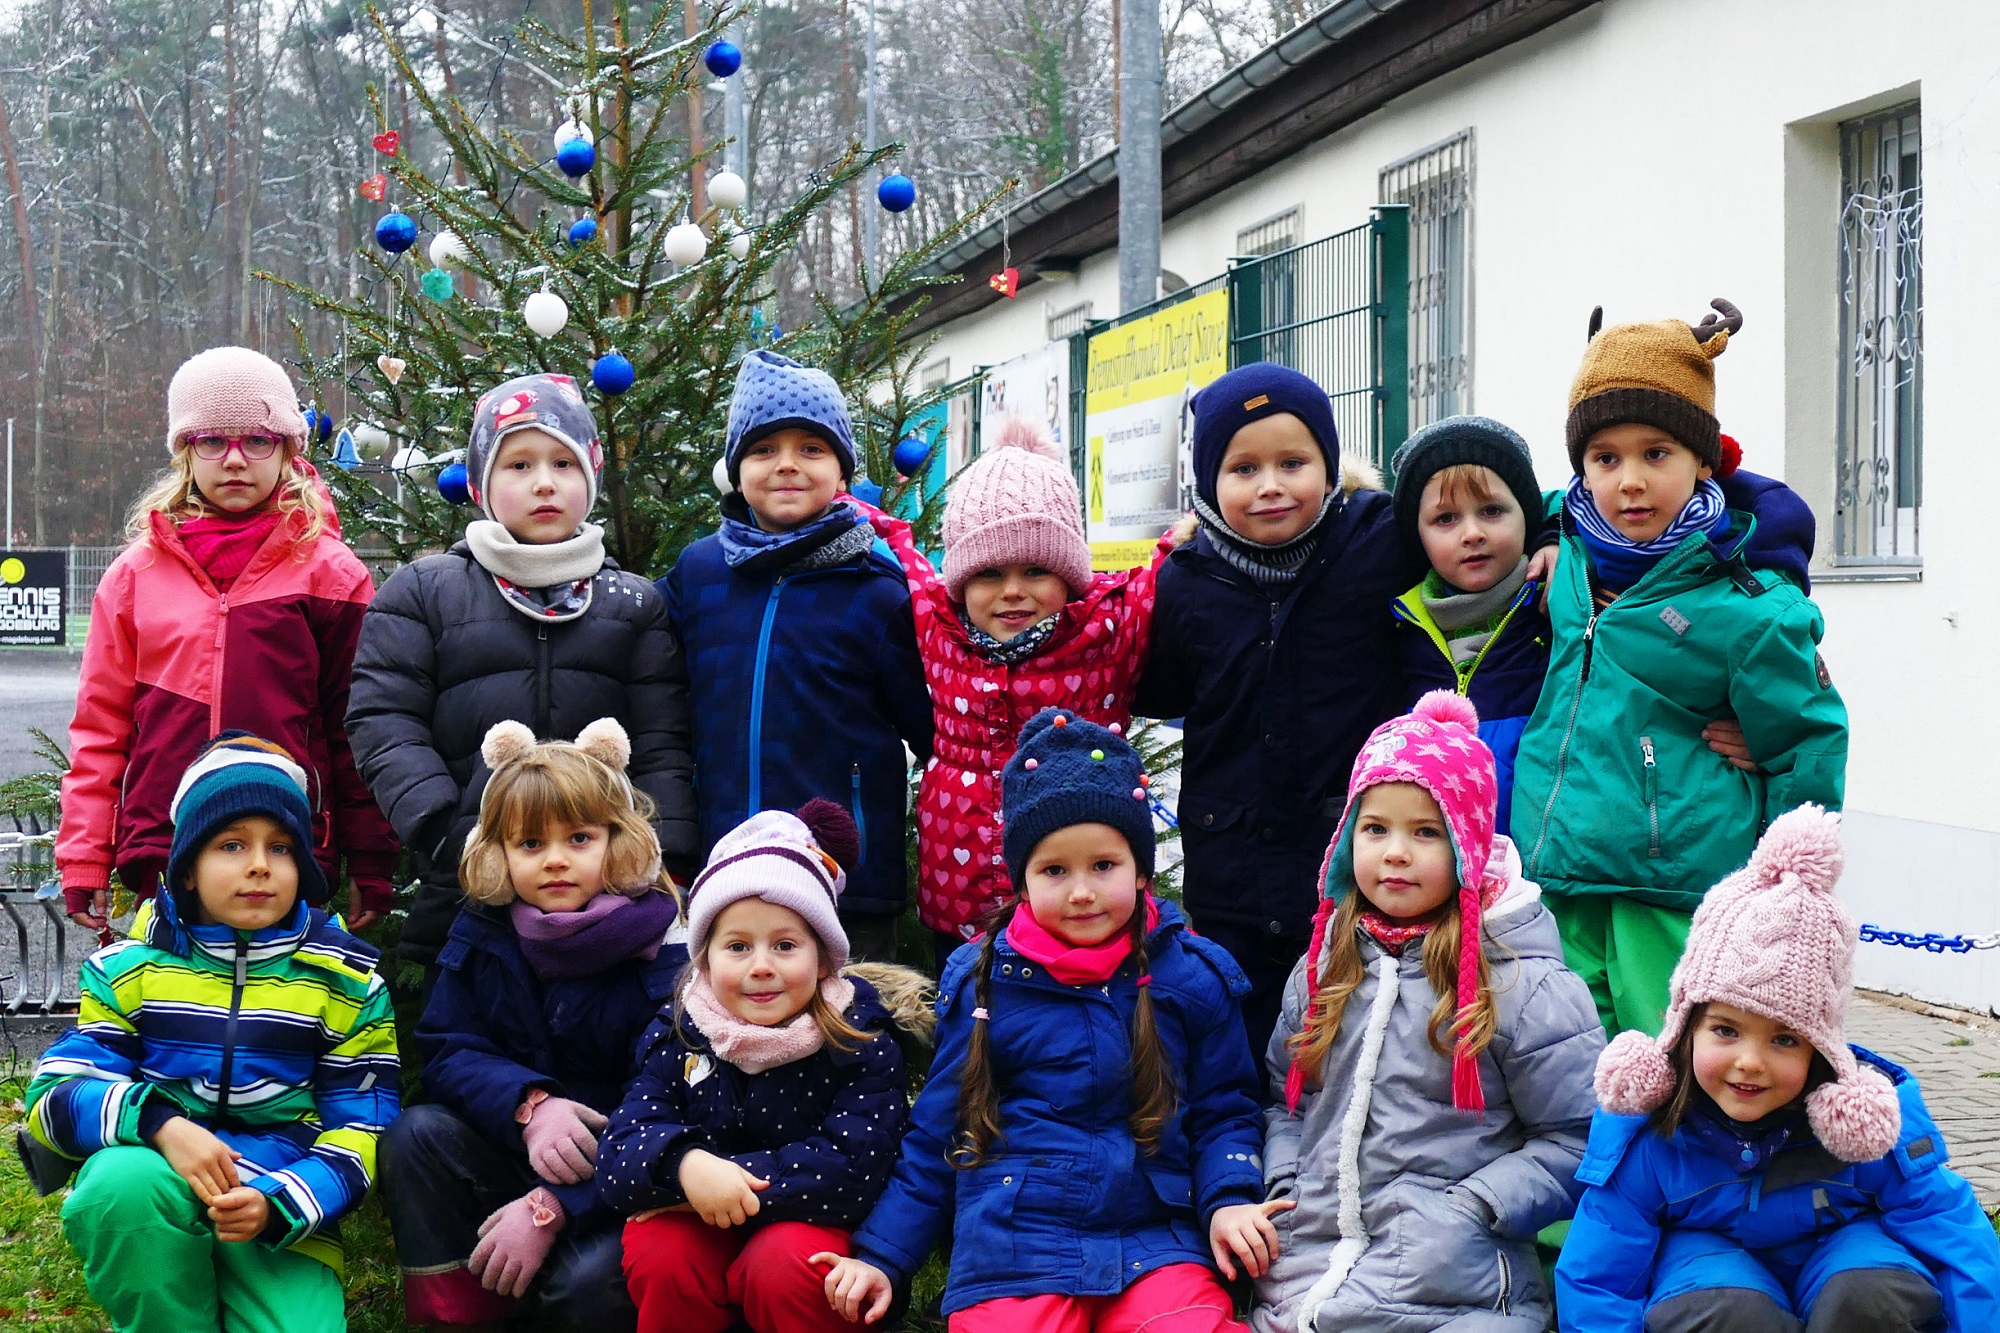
pixel 492 1031
pixel 1279 695
pixel 823 1130
pixel 804 684
pixel 1783 541
pixel 1065 1203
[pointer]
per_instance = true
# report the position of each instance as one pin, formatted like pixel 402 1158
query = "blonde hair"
pixel 840 1034
pixel 561 784
pixel 174 494
pixel 1341 974
pixel 1461 480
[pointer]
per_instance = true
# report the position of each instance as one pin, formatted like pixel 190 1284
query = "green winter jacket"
pixel 1615 790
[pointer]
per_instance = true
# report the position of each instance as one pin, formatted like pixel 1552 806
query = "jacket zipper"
pixel 1465 677
pixel 757 697
pixel 229 1028
pixel 215 686
pixel 1569 733
pixel 1652 794
pixel 860 823
pixel 544 687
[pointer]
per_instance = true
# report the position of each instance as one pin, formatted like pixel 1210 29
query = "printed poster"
pixel 1034 385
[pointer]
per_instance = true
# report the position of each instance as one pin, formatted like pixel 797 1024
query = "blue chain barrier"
pixel 1929 943
pixel 1164 815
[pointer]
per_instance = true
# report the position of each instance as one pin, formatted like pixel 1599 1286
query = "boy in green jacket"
pixel 1623 813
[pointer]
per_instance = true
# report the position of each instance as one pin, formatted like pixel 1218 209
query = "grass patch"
pixel 1959 1041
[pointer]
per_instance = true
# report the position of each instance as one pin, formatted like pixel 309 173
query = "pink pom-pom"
pixel 1447 706
pixel 1031 764
pixel 1633 1075
pixel 1018 432
pixel 1805 843
pixel 1115 729
pixel 833 830
pixel 1138 793
pixel 1857 1118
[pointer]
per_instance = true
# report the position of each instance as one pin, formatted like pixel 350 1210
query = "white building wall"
pixel 1648 155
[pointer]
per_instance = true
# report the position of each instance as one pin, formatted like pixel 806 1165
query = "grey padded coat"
pixel 1429 1222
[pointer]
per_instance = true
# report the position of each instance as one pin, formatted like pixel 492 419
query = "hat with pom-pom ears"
pixel 1436 746
pixel 796 861
pixel 1016 504
pixel 603 743
pixel 1774 940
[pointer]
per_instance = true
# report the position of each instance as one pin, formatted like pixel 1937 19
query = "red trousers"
pixel 689 1277
pixel 1180 1298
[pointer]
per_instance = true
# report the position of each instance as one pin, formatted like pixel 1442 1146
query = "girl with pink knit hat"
pixel 1431 1063
pixel 1017 623
pixel 1751 1172
pixel 235 607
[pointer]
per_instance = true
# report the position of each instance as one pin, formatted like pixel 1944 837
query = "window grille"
pixel 1878 488
pixel 1070 319
pixel 1271 235
pixel 1437 185
pixel 935 374
pixel 1278 297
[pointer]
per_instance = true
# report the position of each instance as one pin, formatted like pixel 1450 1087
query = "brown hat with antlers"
pixel 1661 373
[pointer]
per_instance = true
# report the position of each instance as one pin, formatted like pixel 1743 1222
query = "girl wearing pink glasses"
pixel 235 607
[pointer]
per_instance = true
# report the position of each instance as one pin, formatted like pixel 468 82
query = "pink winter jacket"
pixel 169 662
pixel 1090 664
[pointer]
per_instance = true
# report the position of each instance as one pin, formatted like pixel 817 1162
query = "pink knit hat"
pixel 790 860
pixel 1774 940
pixel 1436 745
pixel 1016 505
pixel 233 391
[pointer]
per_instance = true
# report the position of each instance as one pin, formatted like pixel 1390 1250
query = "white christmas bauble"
pixel 573 129
pixel 447 249
pixel 546 314
pixel 686 243
pixel 739 243
pixel 371 437
pixel 722 486
pixel 726 189
pixel 407 457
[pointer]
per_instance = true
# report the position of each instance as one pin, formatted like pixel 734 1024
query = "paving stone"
pixel 1948 1053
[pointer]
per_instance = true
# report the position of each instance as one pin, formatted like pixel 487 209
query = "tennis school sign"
pixel 1141 375
pixel 33 587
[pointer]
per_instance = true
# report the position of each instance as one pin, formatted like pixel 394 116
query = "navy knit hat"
pixel 237 775
pixel 549 403
pixel 773 392
pixel 1069 771
pixel 1251 393
pixel 1463 439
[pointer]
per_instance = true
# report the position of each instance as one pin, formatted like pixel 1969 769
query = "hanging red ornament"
pixel 374 188
pixel 387 142
pixel 1007 282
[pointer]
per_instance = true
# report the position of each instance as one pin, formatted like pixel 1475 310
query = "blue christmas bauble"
pixel 866 491
pixel 910 453
pixel 582 232
pixel 612 373
pixel 576 156
pixel 319 425
pixel 454 483
pixel 723 59
pixel 896 192
pixel 396 232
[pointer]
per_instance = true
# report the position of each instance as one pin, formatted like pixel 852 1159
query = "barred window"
pixel 1271 235
pixel 1878 490
pixel 935 374
pixel 1437 185
pixel 1070 319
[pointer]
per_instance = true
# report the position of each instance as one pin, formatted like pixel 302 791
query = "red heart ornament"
pixel 374 188
pixel 1006 282
pixel 387 142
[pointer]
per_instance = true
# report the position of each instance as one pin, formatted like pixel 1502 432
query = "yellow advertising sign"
pixel 1160 355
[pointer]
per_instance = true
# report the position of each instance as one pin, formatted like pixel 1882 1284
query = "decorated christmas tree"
pixel 586 248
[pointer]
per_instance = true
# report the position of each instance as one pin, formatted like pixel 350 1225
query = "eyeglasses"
pixel 214 448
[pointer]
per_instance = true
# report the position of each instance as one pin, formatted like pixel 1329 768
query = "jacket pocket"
pixel 1445 1256
pixel 984 1234
pixel 1649 789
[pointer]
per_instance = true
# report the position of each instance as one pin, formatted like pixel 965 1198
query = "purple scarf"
pixel 610 928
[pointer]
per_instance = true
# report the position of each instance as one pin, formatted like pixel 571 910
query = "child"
pixel 231 1068
pixel 770 1100
pixel 1625 815
pixel 569 945
pixel 1430 1135
pixel 1018 623
pixel 236 606
pixel 1750 1171
pixel 1089 1130
pixel 801 652
pixel 1270 639
pixel 526 620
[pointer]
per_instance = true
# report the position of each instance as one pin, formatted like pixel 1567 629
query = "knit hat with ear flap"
pixel 1771 939
pixel 233 391
pixel 1016 505
pixel 1660 373
pixel 1435 745
pixel 603 742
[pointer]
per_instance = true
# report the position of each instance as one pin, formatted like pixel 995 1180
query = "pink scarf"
pixel 224 544
pixel 751 1047
pixel 1074 964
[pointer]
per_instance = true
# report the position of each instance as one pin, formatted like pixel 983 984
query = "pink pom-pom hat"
pixel 1774 940
pixel 1016 505
pixel 1435 745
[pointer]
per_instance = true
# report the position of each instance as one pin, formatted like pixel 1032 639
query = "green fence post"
pixel 1390 298
pixel 1079 400
pixel 1246 310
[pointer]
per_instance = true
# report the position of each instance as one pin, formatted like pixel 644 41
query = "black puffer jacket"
pixel 444 656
